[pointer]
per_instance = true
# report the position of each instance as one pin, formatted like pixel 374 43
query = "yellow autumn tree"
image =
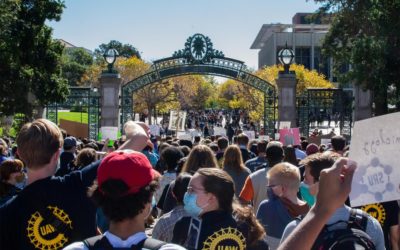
pixel 306 78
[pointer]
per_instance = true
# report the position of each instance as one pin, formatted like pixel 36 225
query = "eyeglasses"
pixel 191 190
pixel 273 185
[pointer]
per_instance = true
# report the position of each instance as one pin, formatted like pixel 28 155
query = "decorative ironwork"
pixel 325 108
pixel 83 99
pixel 198 49
pixel 199 58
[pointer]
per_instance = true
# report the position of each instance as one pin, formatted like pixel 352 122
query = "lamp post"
pixel 110 56
pixel 286 57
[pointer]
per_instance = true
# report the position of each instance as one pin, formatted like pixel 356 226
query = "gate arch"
pixel 199 58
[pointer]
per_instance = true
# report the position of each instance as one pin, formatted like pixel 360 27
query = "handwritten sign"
pixel 375 146
pixel 109 133
pixel 219 131
pixel 177 119
pixel 289 136
pixel 184 136
pixel 325 141
pixel 263 137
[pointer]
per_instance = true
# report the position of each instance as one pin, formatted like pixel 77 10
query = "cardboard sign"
pixel 109 133
pixel 154 129
pixel 284 124
pixel 325 141
pixel 289 136
pixel 250 134
pixel 219 131
pixel 76 129
pixel 375 146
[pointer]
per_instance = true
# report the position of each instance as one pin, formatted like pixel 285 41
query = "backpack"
pixel 351 237
pixel 100 242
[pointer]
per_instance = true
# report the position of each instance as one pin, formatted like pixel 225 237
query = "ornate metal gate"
pixel 199 58
pixel 322 108
pixel 81 99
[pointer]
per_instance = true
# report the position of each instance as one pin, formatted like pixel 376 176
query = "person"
pixel 67 156
pixel 11 173
pixel 125 186
pixel 282 205
pixel 234 166
pixel 290 155
pixel 3 152
pixel 338 144
pixel 45 213
pixel 212 224
pixel 316 164
pixel 256 163
pixel 254 191
pixel 242 142
pixel 85 157
pixel 164 226
pixel 201 156
pixel 222 145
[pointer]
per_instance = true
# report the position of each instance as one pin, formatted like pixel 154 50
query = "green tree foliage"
pixel 75 62
pixel 366 35
pixel 30 69
pixel 124 50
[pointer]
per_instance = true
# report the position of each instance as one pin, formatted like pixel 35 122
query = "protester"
pixel 85 157
pixel 164 227
pixel 243 141
pixel 222 145
pixel 256 163
pixel 124 190
pixel 315 166
pixel 282 205
pixel 209 201
pixel 67 156
pixel 234 166
pixel 290 155
pixel 3 152
pixel 254 190
pixel 11 174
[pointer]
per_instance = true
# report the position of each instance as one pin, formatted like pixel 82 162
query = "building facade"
pixel 303 36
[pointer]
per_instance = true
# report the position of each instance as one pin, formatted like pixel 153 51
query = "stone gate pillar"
pixel 110 88
pixel 286 83
pixel 362 103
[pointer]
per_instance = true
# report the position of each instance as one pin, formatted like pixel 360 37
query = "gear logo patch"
pixel 377 211
pixel 43 235
pixel 225 239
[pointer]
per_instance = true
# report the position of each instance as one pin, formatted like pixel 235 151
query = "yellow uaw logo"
pixel 43 235
pixel 377 211
pixel 225 239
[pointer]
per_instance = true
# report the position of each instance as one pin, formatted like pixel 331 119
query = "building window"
pixel 302 56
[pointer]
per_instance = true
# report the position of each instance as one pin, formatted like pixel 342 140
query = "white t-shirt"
pixel 115 241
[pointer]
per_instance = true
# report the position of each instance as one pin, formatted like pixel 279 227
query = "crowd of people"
pixel 215 192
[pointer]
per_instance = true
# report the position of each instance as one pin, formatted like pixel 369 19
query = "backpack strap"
pixel 98 242
pixel 358 219
pixel 152 244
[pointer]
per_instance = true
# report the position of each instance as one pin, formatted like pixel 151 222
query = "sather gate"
pixel 199 58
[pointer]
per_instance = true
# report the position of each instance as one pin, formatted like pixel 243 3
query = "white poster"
pixel 109 133
pixel 284 124
pixel 263 137
pixel 183 136
pixel 177 120
pixel 250 134
pixel 326 141
pixel 154 129
pixel 375 146
pixel 219 131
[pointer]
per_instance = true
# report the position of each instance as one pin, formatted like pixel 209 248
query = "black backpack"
pixel 351 237
pixel 101 243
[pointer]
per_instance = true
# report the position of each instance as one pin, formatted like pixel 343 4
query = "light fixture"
pixel 286 57
pixel 110 56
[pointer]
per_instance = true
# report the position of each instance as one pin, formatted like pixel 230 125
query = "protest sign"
pixel 289 136
pixel 284 124
pixel 250 134
pixel 183 136
pixel 154 129
pixel 375 146
pixel 219 131
pixel 263 137
pixel 325 141
pixel 177 119
pixel 109 133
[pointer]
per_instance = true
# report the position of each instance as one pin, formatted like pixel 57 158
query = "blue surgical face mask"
pixel 305 194
pixel 190 201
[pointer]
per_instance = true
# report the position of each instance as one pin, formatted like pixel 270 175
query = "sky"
pixel 157 28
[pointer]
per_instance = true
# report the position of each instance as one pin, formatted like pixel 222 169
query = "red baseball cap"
pixel 130 166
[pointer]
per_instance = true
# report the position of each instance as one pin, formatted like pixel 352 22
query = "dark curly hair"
pixel 117 206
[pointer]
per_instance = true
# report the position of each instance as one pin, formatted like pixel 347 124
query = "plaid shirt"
pixel 164 227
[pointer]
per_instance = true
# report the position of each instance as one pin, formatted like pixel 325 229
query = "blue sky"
pixel 157 28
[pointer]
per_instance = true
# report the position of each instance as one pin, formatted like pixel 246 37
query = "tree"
pixel 75 62
pixel 365 34
pixel 30 69
pixel 124 50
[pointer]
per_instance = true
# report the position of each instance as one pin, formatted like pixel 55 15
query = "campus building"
pixel 304 36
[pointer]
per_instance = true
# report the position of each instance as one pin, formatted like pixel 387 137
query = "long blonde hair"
pixel 233 158
pixel 201 156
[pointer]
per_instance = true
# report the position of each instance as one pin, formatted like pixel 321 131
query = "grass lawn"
pixel 73 116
